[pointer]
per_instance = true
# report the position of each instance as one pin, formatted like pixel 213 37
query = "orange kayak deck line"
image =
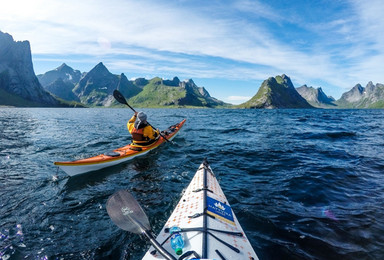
pixel 116 156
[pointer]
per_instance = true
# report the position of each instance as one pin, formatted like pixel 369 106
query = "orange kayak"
pixel 116 156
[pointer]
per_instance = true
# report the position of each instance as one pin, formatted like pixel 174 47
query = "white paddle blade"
pixel 126 212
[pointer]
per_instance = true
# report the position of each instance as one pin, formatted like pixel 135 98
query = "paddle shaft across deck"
pixel 209 226
pixel 124 154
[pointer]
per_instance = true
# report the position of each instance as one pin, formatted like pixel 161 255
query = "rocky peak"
pixel 64 67
pixel 309 93
pixel 358 88
pixel 15 52
pixel 371 96
pixel 187 83
pixel 18 76
pixel 354 95
pixel 277 92
pixel 316 97
pixel 97 86
pixel 99 79
pixel 321 95
pixel 66 73
pixel 140 82
pixel 175 82
pixel 197 96
pixel 126 87
pixel 6 38
pixel 204 92
pixel 190 81
pixel 287 81
pixel 370 88
pixel 123 79
pixel 100 69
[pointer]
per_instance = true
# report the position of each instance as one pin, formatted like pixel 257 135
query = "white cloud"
pixel 156 36
pixel 239 98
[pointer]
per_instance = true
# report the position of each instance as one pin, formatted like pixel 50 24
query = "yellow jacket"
pixel 148 131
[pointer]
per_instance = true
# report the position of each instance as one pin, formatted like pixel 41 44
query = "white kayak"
pixel 213 233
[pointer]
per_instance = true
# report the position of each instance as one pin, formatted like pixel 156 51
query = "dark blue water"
pixel 305 184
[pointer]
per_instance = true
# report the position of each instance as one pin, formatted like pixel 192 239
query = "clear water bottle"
pixel 177 240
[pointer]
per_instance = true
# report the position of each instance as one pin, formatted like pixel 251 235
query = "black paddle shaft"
pixel 157 246
pixel 121 99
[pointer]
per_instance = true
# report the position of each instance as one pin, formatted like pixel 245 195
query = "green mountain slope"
pixel 166 93
pixel 276 92
pixel 156 94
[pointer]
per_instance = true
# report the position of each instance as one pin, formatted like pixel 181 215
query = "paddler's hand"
pixel 156 133
pixel 136 114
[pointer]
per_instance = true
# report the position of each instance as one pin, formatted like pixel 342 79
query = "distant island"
pixel 67 87
pixel 372 96
pixel 276 92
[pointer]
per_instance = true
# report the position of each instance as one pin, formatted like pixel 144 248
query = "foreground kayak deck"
pixel 214 233
pixel 116 156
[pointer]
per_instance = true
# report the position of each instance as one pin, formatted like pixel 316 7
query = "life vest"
pixel 138 132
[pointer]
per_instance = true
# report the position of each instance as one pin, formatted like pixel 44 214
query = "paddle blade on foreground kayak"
pixel 126 213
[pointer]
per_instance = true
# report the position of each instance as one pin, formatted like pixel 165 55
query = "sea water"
pixel 304 184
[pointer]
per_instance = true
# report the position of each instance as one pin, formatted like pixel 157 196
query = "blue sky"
pixel 229 47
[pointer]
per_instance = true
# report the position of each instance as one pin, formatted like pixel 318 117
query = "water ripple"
pixel 304 184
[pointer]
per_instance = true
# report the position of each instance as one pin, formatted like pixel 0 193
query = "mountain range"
pixel 372 96
pixel 64 86
pixel 279 92
pixel 95 88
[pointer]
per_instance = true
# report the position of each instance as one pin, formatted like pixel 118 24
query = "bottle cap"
pixel 174 229
pixel 178 251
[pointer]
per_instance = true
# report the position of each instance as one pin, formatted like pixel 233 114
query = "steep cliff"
pixel 17 77
pixel 316 97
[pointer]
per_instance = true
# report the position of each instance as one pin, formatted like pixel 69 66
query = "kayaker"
pixel 142 133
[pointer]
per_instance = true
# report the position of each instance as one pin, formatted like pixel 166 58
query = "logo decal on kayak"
pixel 220 206
pixel 220 210
pixel 126 211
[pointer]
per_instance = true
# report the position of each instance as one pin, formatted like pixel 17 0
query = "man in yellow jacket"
pixel 142 133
